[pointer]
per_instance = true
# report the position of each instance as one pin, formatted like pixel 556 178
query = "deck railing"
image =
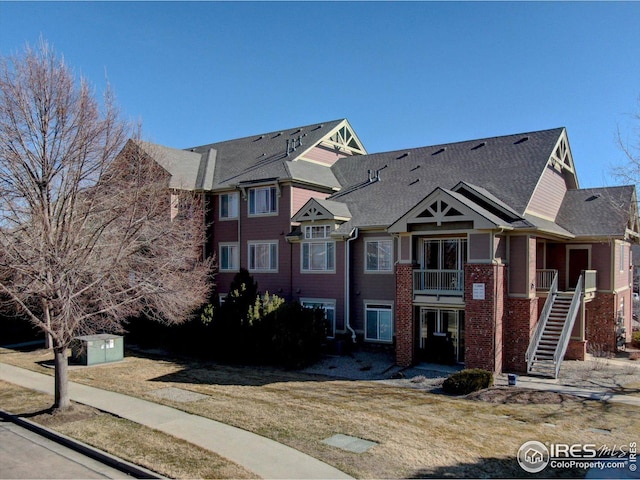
pixel 561 348
pixel 438 282
pixel 589 281
pixel 542 322
pixel 544 279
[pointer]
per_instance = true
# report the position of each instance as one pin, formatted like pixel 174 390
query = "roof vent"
pixel 437 152
pixel 319 126
pixel 277 135
pixel 593 197
pixel 522 140
pixel 404 155
pixel 415 168
pixel 415 181
pixel 259 138
pixel 480 145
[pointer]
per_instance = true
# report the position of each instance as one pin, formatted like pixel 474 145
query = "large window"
pixel 263 201
pixel 379 255
pixel 318 257
pixel 329 307
pixel 379 322
pixel 229 205
pixel 441 335
pixel 229 258
pixel 263 257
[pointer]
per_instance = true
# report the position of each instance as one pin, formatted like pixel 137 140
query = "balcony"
pixel 544 278
pixel 438 282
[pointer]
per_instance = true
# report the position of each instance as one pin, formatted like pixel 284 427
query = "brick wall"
pixel 484 317
pixel 600 328
pixel 519 323
pixel 405 331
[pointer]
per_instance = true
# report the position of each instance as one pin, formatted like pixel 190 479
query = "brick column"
pixel 405 329
pixel 601 322
pixel 483 316
pixel 519 324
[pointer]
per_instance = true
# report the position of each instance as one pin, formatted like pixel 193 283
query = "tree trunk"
pixel 62 399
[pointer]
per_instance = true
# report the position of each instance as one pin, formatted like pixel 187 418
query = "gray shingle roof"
pixel 265 156
pixel 188 170
pixel 507 167
pixel 597 211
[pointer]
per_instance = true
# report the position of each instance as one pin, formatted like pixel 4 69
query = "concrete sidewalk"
pixel 264 457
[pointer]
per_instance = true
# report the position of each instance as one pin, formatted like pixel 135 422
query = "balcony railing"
pixel 544 279
pixel 438 282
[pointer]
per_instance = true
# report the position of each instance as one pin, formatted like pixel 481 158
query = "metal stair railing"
pixel 542 322
pixel 563 342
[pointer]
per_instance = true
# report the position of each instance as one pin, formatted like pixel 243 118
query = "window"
pixel 229 205
pixel 262 201
pixel 317 231
pixel 263 257
pixel 329 307
pixel 318 256
pixel 379 323
pixel 229 257
pixel 379 255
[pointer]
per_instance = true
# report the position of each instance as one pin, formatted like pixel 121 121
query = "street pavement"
pixel 25 454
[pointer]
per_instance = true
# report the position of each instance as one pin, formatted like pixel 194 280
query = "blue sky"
pixel 405 74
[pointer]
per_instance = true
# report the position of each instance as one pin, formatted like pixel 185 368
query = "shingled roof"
pixel 598 212
pixel 507 167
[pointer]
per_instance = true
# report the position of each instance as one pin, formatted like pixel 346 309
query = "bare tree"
pixel 629 172
pixel 87 237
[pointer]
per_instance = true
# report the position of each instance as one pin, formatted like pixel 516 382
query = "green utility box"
pixel 96 349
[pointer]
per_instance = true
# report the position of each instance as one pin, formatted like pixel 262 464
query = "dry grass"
pixel 140 445
pixel 418 434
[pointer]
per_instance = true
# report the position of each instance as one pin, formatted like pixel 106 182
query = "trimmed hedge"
pixel 467 381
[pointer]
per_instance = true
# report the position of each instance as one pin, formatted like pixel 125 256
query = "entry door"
pixel 441 335
pixel 578 261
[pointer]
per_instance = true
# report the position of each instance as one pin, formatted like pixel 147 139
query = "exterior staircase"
pixel 551 337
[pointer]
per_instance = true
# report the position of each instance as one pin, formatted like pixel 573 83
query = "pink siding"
pixel 300 196
pixel 323 155
pixel 601 262
pixel 547 198
pixel 622 277
pixel 328 286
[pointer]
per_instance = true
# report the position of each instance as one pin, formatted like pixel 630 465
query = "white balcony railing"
pixel 544 279
pixel 438 282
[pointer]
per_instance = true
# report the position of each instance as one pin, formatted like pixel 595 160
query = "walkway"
pixel 264 457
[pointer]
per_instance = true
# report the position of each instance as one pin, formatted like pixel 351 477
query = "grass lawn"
pixel 419 434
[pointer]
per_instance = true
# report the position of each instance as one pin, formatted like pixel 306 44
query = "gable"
pixel 445 209
pixel 317 210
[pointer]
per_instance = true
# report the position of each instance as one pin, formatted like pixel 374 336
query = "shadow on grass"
pixel 495 468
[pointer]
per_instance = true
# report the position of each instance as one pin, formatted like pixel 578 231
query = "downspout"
pixel 347 282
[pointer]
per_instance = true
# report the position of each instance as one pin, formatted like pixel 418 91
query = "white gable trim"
pixel 440 207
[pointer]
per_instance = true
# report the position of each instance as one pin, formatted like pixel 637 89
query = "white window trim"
pixel 391 263
pixel 263 242
pixel 309 228
pixel 381 303
pixel 267 214
pixel 326 303
pixel 237 259
pixel 312 271
pixel 235 195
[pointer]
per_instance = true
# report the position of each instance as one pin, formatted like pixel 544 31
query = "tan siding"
pixel 479 247
pixel 547 198
pixel 622 276
pixel 323 155
pixel 367 286
pixel 601 257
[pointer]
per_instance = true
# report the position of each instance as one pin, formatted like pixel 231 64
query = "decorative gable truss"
pixel 344 139
pixel 447 210
pixel 322 210
pixel 562 160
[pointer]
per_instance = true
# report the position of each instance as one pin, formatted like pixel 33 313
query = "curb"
pixel 112 461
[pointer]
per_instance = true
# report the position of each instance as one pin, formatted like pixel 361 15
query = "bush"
pixel 467 381
pixel 635 339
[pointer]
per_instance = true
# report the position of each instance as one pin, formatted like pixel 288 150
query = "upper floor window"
pixel 318 257
pixel 379 255
pixel 263 256
pixel 263 201
pixel 317 231
pixel 229 260
pixel 229 205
